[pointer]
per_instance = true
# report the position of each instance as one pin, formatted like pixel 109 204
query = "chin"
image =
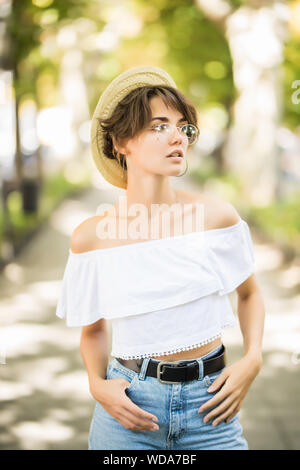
pixel 176 171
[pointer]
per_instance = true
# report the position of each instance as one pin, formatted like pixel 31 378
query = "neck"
pixel 149 192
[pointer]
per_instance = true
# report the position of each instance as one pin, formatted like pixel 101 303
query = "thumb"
pixel 125 383
pixel 122 383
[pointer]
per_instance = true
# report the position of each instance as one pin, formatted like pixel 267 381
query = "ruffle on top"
pixel 153 275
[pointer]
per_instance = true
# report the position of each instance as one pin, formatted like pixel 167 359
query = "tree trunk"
pixel 255 38
pixel 255 35
pixel 18 155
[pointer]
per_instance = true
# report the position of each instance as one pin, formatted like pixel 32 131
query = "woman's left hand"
pixel 235 381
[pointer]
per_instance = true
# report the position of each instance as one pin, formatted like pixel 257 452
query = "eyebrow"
pixel 165 119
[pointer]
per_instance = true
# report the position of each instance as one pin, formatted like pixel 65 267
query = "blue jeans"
pixel 176 406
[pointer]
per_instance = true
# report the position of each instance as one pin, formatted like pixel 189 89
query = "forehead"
pixel 159 108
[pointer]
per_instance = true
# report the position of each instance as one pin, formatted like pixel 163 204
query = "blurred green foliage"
pixel 55 189
pixel 291 73
pixel 30 24
pixel 177 36
pixel 280 220
pixel 231 183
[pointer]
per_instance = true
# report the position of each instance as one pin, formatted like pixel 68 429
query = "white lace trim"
pixel 173 351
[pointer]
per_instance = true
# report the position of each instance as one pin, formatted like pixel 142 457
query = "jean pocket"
pixel 123 373
pixel 133 383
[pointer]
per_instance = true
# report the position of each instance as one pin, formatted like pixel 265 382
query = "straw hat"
pixel 132 78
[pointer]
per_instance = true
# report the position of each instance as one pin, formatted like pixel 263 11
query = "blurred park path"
pixel 44 396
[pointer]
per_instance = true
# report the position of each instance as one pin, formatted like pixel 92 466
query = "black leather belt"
pixel 178 371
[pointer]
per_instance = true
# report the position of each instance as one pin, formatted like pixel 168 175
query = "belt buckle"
pixel 159 371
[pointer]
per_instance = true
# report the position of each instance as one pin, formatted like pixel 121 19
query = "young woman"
pixel 168 386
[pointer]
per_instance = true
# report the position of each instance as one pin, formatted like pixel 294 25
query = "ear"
pixel 118 146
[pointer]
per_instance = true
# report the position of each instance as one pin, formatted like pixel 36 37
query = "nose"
pixel 175 134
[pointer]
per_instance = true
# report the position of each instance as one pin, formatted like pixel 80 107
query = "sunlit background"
pixel 239 63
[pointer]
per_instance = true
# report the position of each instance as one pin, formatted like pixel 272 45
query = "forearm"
pixel 232 385
pixel 95 355
pixel 251 313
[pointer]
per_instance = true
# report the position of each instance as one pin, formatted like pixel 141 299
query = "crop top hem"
pixel 168 352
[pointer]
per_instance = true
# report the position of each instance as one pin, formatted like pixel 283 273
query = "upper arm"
pixel 250 286
pixel 95 327
pixel 230 217
pixel 225 215
pixel 83 239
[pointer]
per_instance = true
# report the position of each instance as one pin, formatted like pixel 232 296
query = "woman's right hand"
pixel 110 393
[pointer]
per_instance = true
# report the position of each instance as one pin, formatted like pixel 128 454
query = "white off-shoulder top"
pixel 162 296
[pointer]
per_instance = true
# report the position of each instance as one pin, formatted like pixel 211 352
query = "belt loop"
pixel 200 362
pixel 144 367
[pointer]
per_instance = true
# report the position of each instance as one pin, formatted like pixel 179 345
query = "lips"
pixel 177 153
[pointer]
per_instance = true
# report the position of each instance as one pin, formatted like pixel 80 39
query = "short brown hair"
pixel 133 114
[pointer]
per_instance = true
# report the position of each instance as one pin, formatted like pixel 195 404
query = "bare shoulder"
pixel 84 236
pixel 218 213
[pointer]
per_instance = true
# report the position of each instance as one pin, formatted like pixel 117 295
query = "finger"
pixel 135 423
pixel 233 414
pixel 128 424
pixel 217 383
pixel 224 415
pixel 219 396
pixel 138 412
pixel 219 409
pixel 130 421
